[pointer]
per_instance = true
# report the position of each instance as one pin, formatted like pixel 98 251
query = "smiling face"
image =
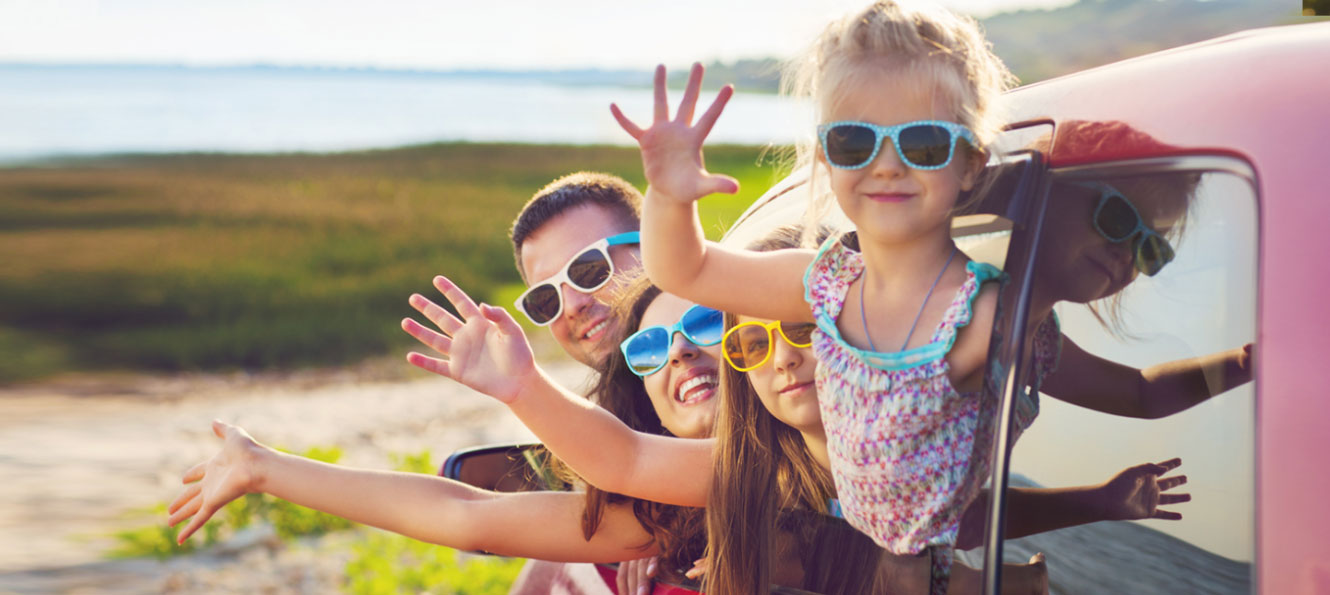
pixel 683 392
pixel 785 384
pixel 887 200
pixel 586 319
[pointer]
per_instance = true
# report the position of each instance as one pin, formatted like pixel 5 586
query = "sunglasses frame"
pixel 558 280
pixel 772 328
pixel 677 327
pixel 882 133
pixel 1138 235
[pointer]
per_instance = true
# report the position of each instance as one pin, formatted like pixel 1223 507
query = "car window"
pixel 1195 219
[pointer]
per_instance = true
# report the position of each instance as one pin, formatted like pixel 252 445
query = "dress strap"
pixel 962 306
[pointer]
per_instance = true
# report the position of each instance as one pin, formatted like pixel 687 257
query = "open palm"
pixel 214 483
pixel 1138 492
pixel 485 350
pixel 672 149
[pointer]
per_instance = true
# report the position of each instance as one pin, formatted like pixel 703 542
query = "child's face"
pixel 1079 264
pixel 684 392
pixel 785 384
pixel 888 200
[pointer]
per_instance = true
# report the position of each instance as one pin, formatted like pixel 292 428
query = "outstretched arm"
pixel 675 253
pixel 487 351
pixel 423 507
pixel 1157 391
pixel 1134 493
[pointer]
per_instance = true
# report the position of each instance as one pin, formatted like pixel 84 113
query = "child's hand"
pixel 672 149
pixel 488 352
pixel 212 484
pixel 1137 492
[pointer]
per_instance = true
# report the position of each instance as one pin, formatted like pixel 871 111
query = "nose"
pixel 888 162
pixel 1123 252
pixel 682 350
pixel 574 301
pixel 786 357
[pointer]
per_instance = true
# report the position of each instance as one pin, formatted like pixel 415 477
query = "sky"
pixel 423 34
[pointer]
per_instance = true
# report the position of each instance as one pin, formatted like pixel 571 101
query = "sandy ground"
pixel 80 459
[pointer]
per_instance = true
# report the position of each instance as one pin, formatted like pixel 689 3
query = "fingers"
pixel 184 497
pixel 699 568
pixel 628 126
pixel 429 364
pixel 1166 499
pixel 690 92
pixel 435 313
pixel 194 473
pixel 662 112
pixel 1037 558
pixel 431 339
pixel 503 319
pixel 1166 515
pixel 199 519
pixel 188 509
pixel 720 184
pixel 1171 464
pixel 458 298
pixel 1169 483
pixel 708 119
pixel 621 577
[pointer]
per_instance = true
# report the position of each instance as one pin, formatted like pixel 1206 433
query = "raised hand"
pixel 1138 492
pixel 212 484
pixel 486 350
pixel 672 149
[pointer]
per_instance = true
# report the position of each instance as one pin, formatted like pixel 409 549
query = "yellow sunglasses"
pixel 748 345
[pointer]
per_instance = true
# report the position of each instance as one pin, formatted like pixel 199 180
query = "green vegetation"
pixel 208 262
pixel 386 564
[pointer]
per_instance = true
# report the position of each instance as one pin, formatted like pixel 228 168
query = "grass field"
pixel 216 262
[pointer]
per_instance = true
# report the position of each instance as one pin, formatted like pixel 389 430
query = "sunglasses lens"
pixel 925 145
pixel 541 303
pixel 1115 218
pixel 589 271
pixel 1153 253
pixel 647 350
pixel 850 145
pixel 747 345
pixel 800 334
pixel 703 326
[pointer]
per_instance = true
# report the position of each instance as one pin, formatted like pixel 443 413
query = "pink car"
pixel 1206 165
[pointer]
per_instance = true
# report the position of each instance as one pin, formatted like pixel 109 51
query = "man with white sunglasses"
pixel 571 241
pixel 573 235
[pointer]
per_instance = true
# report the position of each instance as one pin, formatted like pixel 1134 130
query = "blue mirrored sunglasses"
pixel 648 350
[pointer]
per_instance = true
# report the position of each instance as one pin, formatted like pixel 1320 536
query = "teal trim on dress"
pixel 910 358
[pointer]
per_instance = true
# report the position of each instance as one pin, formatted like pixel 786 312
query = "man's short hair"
pixel 569 192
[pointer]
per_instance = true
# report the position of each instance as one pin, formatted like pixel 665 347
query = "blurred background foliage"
pixel 215 262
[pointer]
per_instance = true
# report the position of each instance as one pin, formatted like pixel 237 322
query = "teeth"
pixel 595 329
pixel 692 383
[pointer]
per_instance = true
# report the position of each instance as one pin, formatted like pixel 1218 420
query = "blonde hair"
pixel 895 39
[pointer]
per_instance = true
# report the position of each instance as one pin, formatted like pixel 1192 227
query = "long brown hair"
pixel 677 531
pixel 765 477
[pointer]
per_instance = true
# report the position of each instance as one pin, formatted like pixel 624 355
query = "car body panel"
pixel 1257 95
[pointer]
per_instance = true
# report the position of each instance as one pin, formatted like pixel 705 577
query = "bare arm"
pixel 1158 391
pixel 423 507
pixel 675 253
pixel 1132 494
pixel 489 353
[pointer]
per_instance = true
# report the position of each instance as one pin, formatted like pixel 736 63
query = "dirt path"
pixel 78 460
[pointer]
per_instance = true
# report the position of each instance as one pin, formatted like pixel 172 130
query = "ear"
pixel 975 160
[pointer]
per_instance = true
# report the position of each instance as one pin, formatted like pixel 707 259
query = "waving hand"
pixel 484 350
pixel 672 149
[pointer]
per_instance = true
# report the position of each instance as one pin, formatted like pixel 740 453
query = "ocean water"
pixel 81 110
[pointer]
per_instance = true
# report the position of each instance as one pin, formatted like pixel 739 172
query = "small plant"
pixel 385 564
